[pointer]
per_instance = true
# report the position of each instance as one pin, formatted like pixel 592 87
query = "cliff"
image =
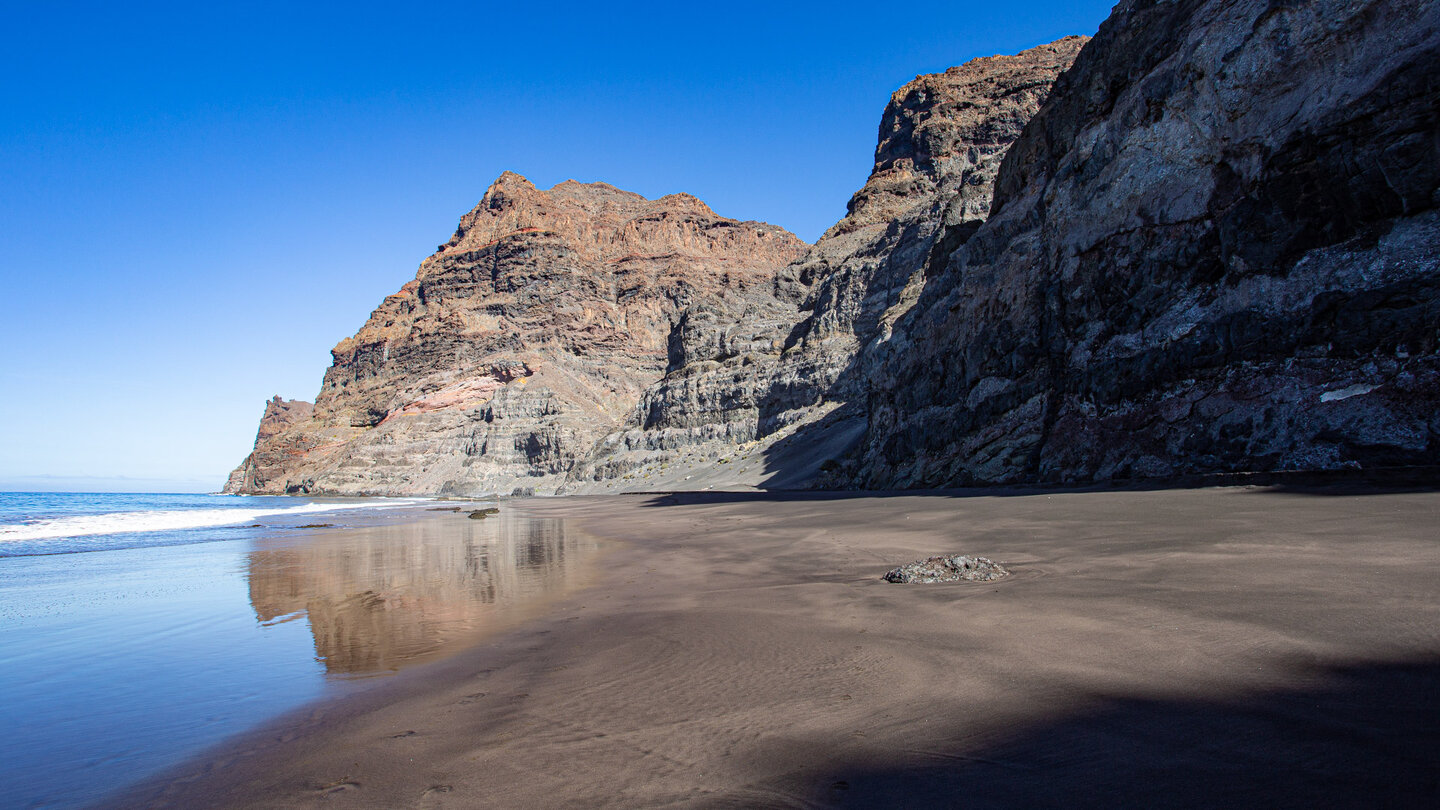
pixel 1205 241
pixel 742 384
pixel 525 338
pixel 1215 249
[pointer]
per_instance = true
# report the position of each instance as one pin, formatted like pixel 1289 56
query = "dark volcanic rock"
pixel 955 568
pixel 1215 249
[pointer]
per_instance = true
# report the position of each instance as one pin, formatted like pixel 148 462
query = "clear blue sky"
pixel 198 200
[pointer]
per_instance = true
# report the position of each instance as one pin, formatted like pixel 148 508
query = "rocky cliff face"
pixel 1211 246
pixel 743 378
pixel 272 456
pixel 525 338
pixel 1215 249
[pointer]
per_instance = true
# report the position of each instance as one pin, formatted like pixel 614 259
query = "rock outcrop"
pixel 1215 249
pixel 525 338
pixel 742 381
pixel 272 454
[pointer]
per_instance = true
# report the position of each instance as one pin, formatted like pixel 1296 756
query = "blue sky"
pixel 197 201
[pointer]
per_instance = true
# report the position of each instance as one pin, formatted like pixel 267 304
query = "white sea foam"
pixel 166 520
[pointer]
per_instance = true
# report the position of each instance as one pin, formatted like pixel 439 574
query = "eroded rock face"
pixel 745 373
pixel 271 456
pixel 1215 249
pixel 521 341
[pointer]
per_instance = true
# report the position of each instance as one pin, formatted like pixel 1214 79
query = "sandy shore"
pixel 1208 647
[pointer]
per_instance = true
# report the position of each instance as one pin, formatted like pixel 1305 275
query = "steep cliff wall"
pixel 741 379
pixel 1212 245
pixel 1215 249
pixel 521 341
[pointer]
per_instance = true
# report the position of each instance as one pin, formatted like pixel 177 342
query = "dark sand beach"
pixel 1202 647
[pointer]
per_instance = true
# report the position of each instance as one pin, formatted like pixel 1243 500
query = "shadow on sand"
pixel 1368 737
pixel 1339 483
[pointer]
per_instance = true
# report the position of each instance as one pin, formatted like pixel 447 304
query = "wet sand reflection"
pixel 382 597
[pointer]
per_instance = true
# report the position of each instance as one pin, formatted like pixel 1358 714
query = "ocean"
pixel 64 522
pixel 138 630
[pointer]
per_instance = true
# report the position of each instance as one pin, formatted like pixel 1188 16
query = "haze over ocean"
pixel 197 202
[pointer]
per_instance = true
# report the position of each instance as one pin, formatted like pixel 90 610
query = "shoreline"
pixel 125 661
pixel 739 649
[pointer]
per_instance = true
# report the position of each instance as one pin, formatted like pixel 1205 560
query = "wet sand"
pixel 1207 647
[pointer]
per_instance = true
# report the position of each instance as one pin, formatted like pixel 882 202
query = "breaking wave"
pixel 169 520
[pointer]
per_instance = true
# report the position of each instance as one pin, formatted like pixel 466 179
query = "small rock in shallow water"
pixel 481 514
pixel 948 569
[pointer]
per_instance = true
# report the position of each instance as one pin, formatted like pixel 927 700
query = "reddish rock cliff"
pixel 272 456
pixel 524 339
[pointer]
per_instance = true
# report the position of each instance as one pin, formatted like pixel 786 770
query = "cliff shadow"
pixel 1307 484
pixel 802 459
pixel 1369 738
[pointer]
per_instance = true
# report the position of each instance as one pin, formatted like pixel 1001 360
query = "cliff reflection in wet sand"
pixel 382 597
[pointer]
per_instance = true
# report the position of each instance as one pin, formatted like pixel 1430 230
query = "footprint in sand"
pixel 343 786
pixel 433 796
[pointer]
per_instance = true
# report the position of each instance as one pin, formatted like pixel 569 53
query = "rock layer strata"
pixel 1211 246
pixel 277 448
pixel 525 338
pixel 742 383
pixel 1215 249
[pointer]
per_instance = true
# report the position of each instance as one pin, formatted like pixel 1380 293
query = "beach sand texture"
pixel 1203 647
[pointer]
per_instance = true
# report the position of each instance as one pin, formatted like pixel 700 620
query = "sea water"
pixel 64 522
pixel 138 630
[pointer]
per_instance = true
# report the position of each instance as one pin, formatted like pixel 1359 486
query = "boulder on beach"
pixel 952 568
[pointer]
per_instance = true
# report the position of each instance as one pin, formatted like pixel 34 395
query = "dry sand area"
pixel 1224 647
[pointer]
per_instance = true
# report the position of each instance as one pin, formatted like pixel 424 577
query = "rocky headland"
pixel 522 341
pixel 1203 242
